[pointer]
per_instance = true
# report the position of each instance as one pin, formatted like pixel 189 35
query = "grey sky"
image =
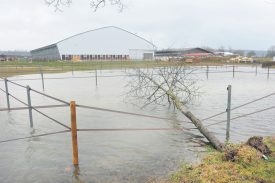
pixel 245 24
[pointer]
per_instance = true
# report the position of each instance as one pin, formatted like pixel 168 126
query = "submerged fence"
pixel 73 128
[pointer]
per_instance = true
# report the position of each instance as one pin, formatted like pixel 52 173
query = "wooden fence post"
pixel 256 70
pixel 7 93
pixel 74 132
pixel 228 110
pixel 30 105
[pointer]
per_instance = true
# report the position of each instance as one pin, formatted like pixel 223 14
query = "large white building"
pixel 107 43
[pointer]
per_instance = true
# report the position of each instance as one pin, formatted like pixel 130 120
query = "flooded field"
pixel 123 156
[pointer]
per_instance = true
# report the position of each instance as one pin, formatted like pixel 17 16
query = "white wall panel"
pixel 108 40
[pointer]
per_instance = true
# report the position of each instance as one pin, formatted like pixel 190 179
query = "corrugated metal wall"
pixel 48 53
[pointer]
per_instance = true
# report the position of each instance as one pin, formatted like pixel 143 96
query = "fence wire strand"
pixel 240 106
pixel 54 120
pixel 245 104
pixel 37 107
pixel 32 136
pixel 54 98
pixel 16 84
pixel 241 116
pixel 133 129
pixel 15 98
pixel 123 112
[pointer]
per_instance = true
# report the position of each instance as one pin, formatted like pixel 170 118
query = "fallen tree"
pixel 175 86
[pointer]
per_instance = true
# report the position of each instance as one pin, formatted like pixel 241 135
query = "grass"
pixel 264 59
pixel 23 67
pixel 248 167
pixel 12 68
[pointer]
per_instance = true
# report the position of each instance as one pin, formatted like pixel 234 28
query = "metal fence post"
pixel 207 70
pixel 233 71
pixel 96 77
pixel 256 70
pixel 268 72
pixel 30 105
pixel 72 68
pixel 42 78
pixel 139 79
pixel 74 132
pixel 7 93
pixel 228 110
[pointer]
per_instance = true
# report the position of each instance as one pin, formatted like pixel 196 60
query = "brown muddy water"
pixel 133 156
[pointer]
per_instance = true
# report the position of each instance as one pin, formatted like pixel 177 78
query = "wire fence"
pixel 70 129
pixel 73 129
pixel 65 103
pixel 240 106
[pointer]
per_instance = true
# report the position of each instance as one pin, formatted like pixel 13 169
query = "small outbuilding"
pixel 106 43
pixel 3 57
pixel 182 53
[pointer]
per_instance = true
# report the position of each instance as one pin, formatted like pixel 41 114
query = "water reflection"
pixel 76 175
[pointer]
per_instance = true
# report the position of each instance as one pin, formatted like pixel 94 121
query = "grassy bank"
pixel 12 68
pixel 247 166
pixel 24 67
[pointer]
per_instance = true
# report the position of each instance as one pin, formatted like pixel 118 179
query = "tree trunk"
pixel 178 104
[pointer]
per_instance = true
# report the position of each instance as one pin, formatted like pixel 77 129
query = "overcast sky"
pixel 240 24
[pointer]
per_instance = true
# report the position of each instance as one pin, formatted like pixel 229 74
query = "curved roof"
pixel 107 28
pixel 102 28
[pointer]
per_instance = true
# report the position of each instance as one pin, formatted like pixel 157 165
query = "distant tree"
pixel 230 49
pixel 271 52
pixel 208 48
pixel 221 49
pixel 251 54
pixel 95 4
pixel 239 52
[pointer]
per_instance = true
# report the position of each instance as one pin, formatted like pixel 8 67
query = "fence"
pixel 73 128
pixel 207 70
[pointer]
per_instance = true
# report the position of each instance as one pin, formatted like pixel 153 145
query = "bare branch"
pixel 173 79
pixel 95 4
pixel 58 4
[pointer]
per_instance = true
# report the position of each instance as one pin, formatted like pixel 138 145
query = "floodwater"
pixel 123 156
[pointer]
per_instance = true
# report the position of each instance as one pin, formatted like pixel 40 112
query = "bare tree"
pixel 271 52
pixel 221 49
pixel 239 52
pixel 173 85
pixel 251 53
pixel 95 4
